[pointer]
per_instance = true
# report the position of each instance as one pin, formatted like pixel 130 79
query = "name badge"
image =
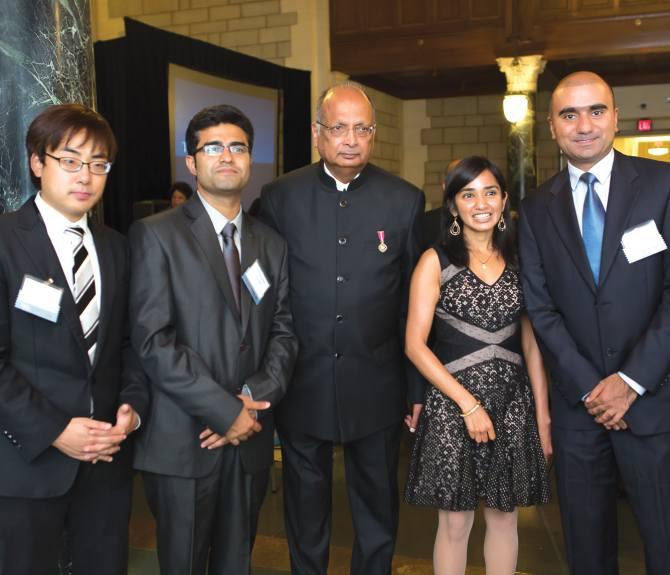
pixel 256 281
pixel 40 298
pixel 642 241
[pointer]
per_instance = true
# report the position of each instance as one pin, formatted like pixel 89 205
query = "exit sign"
pixel 644 125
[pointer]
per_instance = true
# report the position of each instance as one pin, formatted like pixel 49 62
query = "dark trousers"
pixel 586 470
pixel 371 465
pixel 95 512
pixel 207 525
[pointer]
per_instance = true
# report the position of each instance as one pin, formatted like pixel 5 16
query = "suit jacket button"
pixel 344 203
pixel 340 279
pixel 339 318
pixel 342 241
pixel 611 352
pixel 337 355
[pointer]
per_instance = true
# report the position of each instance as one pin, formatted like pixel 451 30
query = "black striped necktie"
pixel 84 291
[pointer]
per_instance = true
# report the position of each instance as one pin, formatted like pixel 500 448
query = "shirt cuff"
pixel 637 388
pixel 139 421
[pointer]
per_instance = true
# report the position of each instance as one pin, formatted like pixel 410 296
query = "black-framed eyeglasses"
pixel 236 149
pixel 97 167
pixel 340 130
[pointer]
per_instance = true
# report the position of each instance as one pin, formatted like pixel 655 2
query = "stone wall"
pixel 476 125
pixel 260 28
pixel 547 152
pixel 295 33
pixel 388 139
pixel 459 127
pixel 254 27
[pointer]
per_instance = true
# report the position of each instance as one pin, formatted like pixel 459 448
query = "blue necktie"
pixel 593 224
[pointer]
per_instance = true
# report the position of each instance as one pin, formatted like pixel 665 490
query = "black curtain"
pixel 132 93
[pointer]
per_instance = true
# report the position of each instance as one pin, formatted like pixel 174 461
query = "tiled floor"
pixel 540 540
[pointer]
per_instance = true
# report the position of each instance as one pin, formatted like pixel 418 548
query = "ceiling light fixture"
pixel 515 107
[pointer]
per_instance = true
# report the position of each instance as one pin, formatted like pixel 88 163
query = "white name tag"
pixel 642 241
pixel 256 282
pixel 40 298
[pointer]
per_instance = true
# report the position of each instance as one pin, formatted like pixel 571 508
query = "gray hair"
pixel 348 84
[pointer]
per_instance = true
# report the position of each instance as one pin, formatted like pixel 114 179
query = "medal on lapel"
pixel 382 247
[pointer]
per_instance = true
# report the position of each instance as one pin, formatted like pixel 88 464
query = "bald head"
pixel 583 118
pixel 345 88
pixel 344 130
pixel 576 79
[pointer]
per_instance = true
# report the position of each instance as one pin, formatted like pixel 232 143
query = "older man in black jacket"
pixel 353 233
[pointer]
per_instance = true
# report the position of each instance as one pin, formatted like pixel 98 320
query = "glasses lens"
pixel 213 150
pixel 338 130
pixel 70 164
pixel 364 131
pixel 100 168
pixel 238 149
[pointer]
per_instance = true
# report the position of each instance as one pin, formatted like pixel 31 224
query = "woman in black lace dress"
pixel 483 434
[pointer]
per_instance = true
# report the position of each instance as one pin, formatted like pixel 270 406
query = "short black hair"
pixel 458 177
pixel 213 116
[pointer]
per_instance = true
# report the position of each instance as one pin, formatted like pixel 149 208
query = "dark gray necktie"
pixel 232 258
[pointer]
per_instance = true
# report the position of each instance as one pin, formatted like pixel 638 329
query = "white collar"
pixel 341 186
pixel 219 221
pixel 55 220
pixel 600 170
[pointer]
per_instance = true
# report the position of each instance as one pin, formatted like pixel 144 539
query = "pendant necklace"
pixel 484 262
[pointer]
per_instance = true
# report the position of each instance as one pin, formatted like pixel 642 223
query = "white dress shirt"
pixel 341 186
pixel 603 172
pixel 219 221
pixel 64 243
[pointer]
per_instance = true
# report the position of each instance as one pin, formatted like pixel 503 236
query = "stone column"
pixel 521 74
pixel 46 57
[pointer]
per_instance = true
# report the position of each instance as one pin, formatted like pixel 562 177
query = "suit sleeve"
pixel 270 382
pixel 29 420
pixel 576 375
pixel 416 384
pixel 134 382
pixel 173 368
pixel 644 364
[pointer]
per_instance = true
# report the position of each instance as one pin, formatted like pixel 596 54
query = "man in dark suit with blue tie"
pixel 71 389
pixel 596 276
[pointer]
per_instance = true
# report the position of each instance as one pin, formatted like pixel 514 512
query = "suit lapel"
pixel 203 231
pixel 106 290
pixel 562 211
pixel 624 189
pixel 33 237
pixel 249 256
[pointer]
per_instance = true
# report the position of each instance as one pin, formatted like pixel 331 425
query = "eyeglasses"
pixel 340 130
pixel 218 149
pixel 97 167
